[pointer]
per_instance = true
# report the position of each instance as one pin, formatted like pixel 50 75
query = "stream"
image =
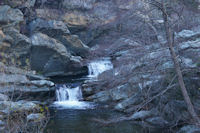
pixel 70 114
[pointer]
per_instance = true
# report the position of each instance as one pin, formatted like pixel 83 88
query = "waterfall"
pixel 98 66
pixel 70 96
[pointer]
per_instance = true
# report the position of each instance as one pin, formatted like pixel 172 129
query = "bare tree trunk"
pixel 170 41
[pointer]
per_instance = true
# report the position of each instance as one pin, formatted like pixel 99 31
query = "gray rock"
pixel 185 34
pixel 157 121
pixel 14 70
pixel 54 58
pixel 3 97
pixel 42 83
pixel 35 117
pixel 31 76
pixel 2 123
pixel 52 55
pixel 20 106
pixel 13 78
pixel 15 84
pixel 133 100
pixel 58 30
pixel 76 21
pixel 42 40
pixel 141 115
pixel 29 92
pixel 121 92
pixel 90 35
pixel 175 110
pixel 102 96
pixel 73 43
pixel 52 28
pixel 1 117
pixel 20 45
pixel 88 91
pixel 30 3
pixel 20 40
pixel 158 53
pixel 189 129
pixel 78 4
pixel 9 15
pixel 195 44
pixel 188 63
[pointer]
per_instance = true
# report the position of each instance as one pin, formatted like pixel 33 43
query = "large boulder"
pixel 53 57
pixel 58 30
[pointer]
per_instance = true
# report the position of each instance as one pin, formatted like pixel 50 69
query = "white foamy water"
pixel 97 67
pixel 68 97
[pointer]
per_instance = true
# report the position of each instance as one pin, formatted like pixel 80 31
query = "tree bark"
pixel 170 40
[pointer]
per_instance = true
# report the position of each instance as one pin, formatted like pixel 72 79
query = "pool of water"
pixel 80 121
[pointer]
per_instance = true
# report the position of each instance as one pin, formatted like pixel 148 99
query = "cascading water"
pixel 68 94
pixel 70 97
pixel 97 67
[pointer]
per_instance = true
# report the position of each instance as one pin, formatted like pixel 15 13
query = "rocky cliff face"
pixel 58 38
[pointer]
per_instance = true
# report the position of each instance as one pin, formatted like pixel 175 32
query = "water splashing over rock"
pixel 68 97
pixel 98 66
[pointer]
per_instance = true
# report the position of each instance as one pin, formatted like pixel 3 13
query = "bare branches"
pixel 170 41
pixel 120 119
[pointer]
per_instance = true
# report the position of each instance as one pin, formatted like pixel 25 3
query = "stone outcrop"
pixel 50 43
pixel 53 56
pixel 21 84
